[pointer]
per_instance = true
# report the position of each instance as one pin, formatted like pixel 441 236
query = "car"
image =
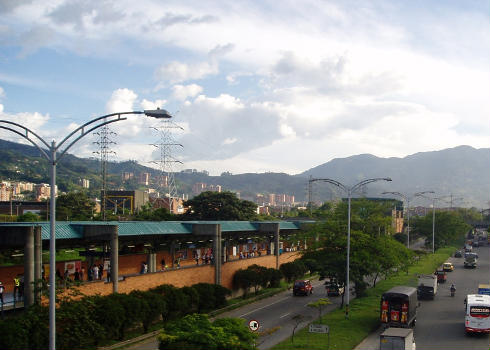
pixel 475 244
pixel 302 287
pixel 333 288
pixel 447 266
pixel 458 254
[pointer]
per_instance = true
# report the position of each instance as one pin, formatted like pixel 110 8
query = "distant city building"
pixel 120 201
pixel 5 192
pixel 85 183
pixel 174 205
pixel 200 187
pixel 126 176
pixel 263 210
pixel 43 192
pixel 144 179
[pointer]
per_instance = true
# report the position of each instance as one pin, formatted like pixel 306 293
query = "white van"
pixel 477 318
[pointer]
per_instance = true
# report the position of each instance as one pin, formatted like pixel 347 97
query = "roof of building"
pixel 74 229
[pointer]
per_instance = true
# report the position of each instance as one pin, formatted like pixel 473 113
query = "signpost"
pixel 321 328
pixel 253 325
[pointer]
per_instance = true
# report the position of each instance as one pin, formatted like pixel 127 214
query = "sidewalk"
pixel 371 342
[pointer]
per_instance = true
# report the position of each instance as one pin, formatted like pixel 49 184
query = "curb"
pixel 130 341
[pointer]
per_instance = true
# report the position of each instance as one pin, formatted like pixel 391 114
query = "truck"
pixel 397 339
pixel 470 260
pixel 427 287
pixel 484 289
pixel 399 307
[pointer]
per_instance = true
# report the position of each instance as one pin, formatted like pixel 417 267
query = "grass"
pixel 364 312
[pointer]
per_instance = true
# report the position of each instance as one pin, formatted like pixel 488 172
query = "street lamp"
pixel 51 155
pixel 434 199
pixel 407 199
pixel 349 191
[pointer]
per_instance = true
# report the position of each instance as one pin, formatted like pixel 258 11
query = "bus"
pixel 477 319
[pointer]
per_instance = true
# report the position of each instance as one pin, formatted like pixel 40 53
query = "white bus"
pixel 477 318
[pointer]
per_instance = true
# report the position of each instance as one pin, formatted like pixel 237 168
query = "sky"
pixel 253 86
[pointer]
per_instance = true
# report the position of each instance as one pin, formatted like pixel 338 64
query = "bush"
pixel 153 305
pixel 109 314
pixel 275 276
pixel 177 302
pixel 75 325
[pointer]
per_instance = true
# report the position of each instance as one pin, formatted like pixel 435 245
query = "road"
pixel 275 314
pixel 440 322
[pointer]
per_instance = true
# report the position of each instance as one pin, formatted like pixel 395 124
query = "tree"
pixel 293 270
pixel 148 213
pixel 320 304
pixel 219 206
pixel 74 206
pixel 28 217
pixel 198 333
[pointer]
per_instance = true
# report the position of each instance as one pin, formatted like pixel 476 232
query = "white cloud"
pixel 176 72
pixel 122 100
pixel 153 104
pixel 2 92
pixel 181 92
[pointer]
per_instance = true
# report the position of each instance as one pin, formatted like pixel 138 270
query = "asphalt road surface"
pixel 275 314
pixel 440 322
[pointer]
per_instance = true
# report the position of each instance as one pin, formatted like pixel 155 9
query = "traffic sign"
pixel 253 325
pixel 319 328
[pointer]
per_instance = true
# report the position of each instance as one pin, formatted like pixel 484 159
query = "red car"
pixel 303 287
pixel 441 276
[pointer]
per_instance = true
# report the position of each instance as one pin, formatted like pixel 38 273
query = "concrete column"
pixel 152 262
pixel 115 259
pixel 172 253
pixel 217 252
pixel 29 267
pixel 276 243
pixel 38 261
pixel 225 251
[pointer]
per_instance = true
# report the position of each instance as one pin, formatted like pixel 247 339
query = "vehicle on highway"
pixel 447 266
pixel 397 339
pixel 399 307
pixel 333 288
pixel 470 260
pixel 468 247
pixel 477 319
pixel 302 287
pixel 441 276
pixel 427 287
pixel 458 254
pixel 484 289
pixel 475 244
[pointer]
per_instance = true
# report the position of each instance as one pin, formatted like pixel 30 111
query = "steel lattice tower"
pixel 105 140
pixel 166 162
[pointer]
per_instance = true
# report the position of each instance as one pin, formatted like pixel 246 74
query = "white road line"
pixel 263 307
pixel 284 315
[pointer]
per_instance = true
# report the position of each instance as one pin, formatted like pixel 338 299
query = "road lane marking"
pixel 284 315
pixel 263 307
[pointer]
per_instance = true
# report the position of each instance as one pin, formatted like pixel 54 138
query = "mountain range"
pixel 460 173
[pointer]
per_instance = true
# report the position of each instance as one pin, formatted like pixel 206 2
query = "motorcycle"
pixel 453 291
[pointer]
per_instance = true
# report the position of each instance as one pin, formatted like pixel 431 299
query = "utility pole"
pixel 166 143
pixel 104 142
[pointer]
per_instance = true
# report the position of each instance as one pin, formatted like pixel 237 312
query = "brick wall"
pixel 185 276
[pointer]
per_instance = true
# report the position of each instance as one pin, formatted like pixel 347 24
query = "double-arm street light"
pixel 349 191
pixel 407 199
pixel 50 152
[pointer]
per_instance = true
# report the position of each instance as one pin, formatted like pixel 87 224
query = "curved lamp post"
pixel 407 199
pixel 50 152
pixel 349 191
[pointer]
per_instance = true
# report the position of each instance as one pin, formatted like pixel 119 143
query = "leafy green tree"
pixel 178 303
pixel 320 304
pixel 243 278
pixel 219 206
pixel 74 206
pixel 274 276
pixel 153 305
pixel 28 217
pixel 75 322
pixel 198 333
pixel 293 270
pixel 110 315
pixel 148 213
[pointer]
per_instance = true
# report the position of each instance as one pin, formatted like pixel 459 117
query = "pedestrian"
pixel 21 289
pixel 77 275
pixel 142 269
pixel 2 289
pixel 145 268
pixel 16 287
pixel 95 272
pixel 82 272
pixel 89 273
pixel 108 273
pixel 101 271
pixel 163 264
